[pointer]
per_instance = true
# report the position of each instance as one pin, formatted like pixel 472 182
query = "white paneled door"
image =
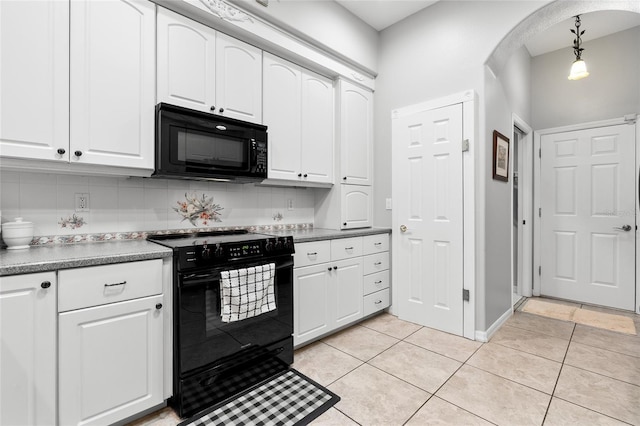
pixel 428 211
pixel 588 224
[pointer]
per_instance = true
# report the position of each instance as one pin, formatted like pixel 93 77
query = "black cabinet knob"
pixel 305 175
pixel 221 110
pixel 344 178
pixel 61 151
pixel 213 108
pixel 335 267
pixel 329 268
pixel 78 153
pixel 45 284
pixel 158 305
pixel 345 224
pixel 299 174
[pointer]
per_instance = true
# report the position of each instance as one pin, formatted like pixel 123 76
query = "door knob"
pixel 625 228
pixel 403 228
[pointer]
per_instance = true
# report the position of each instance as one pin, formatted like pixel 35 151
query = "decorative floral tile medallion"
pixel 198 209
pixel 73 222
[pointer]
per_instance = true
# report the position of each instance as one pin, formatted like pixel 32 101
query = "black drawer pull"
pixel 378 282
pixel 158 305
pixel 45 284
pixel 377 244
pixel 378 302
pixel 348 248
pixel 115 284
pixel 378 263
pixel 312 254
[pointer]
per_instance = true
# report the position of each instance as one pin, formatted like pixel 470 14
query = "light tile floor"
pixel 533 371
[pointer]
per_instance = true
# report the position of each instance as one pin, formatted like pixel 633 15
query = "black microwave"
pixel 198 145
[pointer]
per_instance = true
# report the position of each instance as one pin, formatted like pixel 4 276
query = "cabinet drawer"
pixel 344 248
pixel 99 285
pixel 375 243
pixel 376 282
pixel 312 253
pixel 375 302
pixel 376 262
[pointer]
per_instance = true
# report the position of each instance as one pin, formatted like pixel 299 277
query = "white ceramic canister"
pixel 18 234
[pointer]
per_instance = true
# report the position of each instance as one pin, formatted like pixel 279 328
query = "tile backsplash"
pixel 120 204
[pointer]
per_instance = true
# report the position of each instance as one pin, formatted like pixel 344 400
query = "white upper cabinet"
pixel 202 69
pixel 298 111
pixel 356 134
pixel 355 206
pixel 34 79
pixel 317 128
pixel 186 62
pixel 282 116
pixel 238 79
pixel 112 65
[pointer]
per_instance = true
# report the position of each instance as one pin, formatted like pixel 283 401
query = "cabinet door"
pixel 313 309
pixel 238 79
pixel 317 128
pixel 110 361
pixel 112 65
pixel 355 206
pixel 348 294
pixel 34 79
pixel 356 134
pixel 28 352
pixel 282 87
pixel 186 62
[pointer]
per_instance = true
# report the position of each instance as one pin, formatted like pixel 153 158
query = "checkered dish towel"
pixel 247 292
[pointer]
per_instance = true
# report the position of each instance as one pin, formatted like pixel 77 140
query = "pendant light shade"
pixel 578 68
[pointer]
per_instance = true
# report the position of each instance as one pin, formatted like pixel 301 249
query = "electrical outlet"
pixel 82 202
pixel 290 204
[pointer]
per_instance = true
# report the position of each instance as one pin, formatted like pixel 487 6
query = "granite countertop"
pixel 64 256
pixel 317 234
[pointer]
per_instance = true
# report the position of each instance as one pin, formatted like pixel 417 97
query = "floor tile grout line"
pixel 434 394
pixel 553 392
pixel 527 352
pixel 591 409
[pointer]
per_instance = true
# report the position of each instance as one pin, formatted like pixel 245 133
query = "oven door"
pixel 205 341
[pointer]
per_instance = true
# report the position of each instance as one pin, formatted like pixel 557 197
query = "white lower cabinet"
pixel 111 349
pixel 337 283
pixel 28 350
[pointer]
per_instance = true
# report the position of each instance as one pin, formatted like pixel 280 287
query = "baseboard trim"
pixel 484 336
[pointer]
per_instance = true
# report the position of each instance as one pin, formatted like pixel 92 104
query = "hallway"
pixel 535 370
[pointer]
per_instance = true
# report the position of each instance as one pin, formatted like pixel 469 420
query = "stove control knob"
pixel 206 252
pixel 219 251
pixel 279 245
pixel 288 244
pixel 269 246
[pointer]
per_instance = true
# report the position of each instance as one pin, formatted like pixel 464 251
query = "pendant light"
pixel 578 68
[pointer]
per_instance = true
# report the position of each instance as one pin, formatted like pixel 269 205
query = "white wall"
pixel 508 94
pixel 611 90
pixel 137 204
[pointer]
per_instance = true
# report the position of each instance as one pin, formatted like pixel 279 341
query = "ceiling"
pixel 383 13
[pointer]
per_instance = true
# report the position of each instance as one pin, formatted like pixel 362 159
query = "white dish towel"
pixel 247 292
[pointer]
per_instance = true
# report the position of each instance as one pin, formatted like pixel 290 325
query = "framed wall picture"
pixel 500 156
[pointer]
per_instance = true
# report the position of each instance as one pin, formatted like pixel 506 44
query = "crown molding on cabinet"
pixel 228 19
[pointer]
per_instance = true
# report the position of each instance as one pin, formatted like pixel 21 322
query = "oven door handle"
pixel 211 275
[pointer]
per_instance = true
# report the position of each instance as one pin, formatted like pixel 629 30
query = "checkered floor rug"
pixel 287 399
